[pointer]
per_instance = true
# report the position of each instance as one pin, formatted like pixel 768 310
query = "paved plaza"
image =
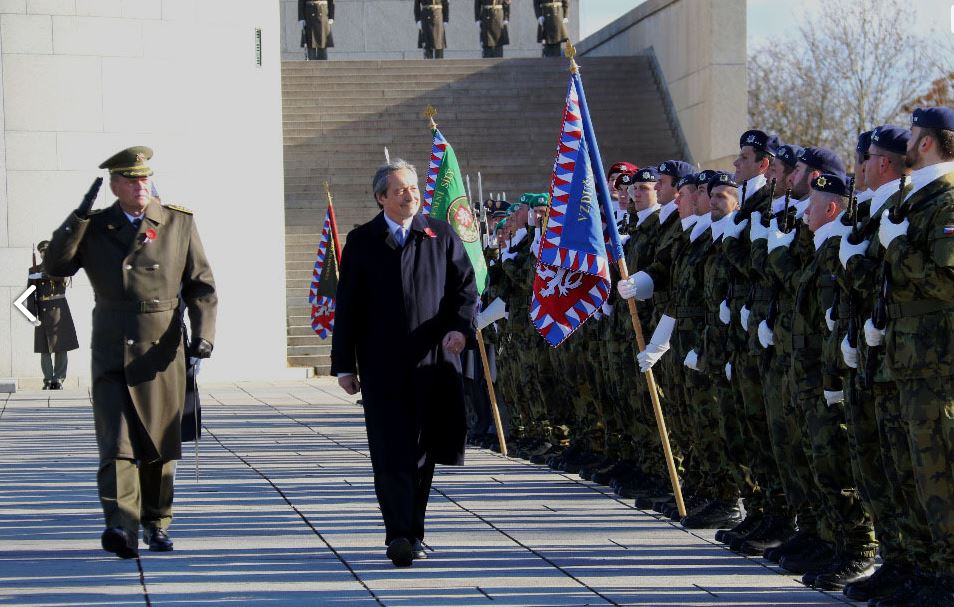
pixel 283 513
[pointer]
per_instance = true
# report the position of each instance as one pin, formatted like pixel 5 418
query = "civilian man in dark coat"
pixel 405 311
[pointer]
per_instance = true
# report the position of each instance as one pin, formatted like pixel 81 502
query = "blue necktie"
pixel 400 235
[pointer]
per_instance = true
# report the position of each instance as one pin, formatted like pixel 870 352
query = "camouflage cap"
pixel 130 162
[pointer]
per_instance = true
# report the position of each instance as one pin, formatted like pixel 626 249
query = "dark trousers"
pixel 553 50
pixel 432 53
pixel 54 366
pixel 492 52
pixel 320 54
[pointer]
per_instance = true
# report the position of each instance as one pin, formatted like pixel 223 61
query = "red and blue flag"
pixel 324 279
pixel 572 279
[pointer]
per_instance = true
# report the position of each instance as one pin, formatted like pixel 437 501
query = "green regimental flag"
pixel 445 198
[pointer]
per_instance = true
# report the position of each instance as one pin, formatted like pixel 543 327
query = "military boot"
pixel 751 521
pixel 814 558
pixel 906 593
pixel 845 569
pixel 803 539
pixel 587 472
pixel 882 583
pixel 776 530
pixel 716 514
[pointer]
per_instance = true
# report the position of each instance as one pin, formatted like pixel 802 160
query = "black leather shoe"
pixel 56 385
pixel 881 584
pixel 120 542
pixel 814 559
pixel 417 551
pixel 848 569
pixel 157 539
pixel 46 385
pixel 400 552
pixel 772 534
pixel 716 514
pixel 750 523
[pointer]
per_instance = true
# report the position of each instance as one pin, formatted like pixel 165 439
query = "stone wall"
pixel 82 79
pixel 701 49
pixel 385 29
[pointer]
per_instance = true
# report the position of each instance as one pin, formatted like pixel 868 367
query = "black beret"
pixel 677 169
pixel 831 183
pixel 788 154
pixel 933 118
pixel 703 177
pixel 689 179
pixel 891 138
pixel 721 178
pixel 864 141
pixel 822 159
pixel 760 140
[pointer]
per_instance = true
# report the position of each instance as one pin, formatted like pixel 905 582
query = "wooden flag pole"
pixel 641 343
pixel 654 396
pixel 334 225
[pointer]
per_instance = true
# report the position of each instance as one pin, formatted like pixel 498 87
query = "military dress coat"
pixel 56 332
pixel 553 30
pixel 316 14
pixel 138 361
pixel 492 14
pixel 394 305
pixel 432 15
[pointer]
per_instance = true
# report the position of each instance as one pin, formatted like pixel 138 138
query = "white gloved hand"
pixel 477 22
pixel 833 397
pixel 757 231
pixel 565 20
pixel 766 335
pixel 692 360
pixel 540 20
pixel 506 23
pixel 777 238
pixel 639 285
pixel 418 25
pixel 725 315
pixel 733 229
pixel 889 231
pixel 847 250
pixel 849 354
pixel 36 323
pixel 744 317
pixel 830 320
pixel 301 23
pixel 728 371
pixel 658 344
pixel 607 308
pixel 874 337
pixel 494 311
pixel 331 21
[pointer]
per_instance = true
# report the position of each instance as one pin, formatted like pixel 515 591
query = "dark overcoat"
pixel 553 30
pixel 56 332
pixel 432 15
pixel 393 308
pixel 492 14
pixel 316 14
pixel 139 368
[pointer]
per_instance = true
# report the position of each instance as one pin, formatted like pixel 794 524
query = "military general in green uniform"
pixel 141 257
pixel 55 334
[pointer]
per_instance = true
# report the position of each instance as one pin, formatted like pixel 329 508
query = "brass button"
pixel 129 342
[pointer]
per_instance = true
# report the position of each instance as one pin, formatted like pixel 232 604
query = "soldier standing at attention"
pixel 55 334
pixel 431 15
pixel 141 257
pixel 316 18
pixel 552 17
pixel 493 17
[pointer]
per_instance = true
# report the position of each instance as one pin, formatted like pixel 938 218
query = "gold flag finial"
pixel 429 112
pixel 328 191
pixel 570 52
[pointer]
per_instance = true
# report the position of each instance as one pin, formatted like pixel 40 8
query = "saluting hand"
pixel 87 204
pixel 454 342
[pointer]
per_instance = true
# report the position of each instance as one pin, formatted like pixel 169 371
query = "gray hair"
pixel 379 184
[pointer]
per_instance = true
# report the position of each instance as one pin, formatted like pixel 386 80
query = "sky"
pixel 770 19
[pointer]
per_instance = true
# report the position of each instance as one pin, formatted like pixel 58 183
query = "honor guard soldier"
pixel 142 258
pixel 493 17
pixel 431 15
pixel 552 17
pixel 316 18
pixel 55 334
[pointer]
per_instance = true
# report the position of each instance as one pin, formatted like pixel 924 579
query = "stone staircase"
pixel 502 116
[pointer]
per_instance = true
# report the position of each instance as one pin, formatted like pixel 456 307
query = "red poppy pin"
pixel 148 236
pixel 430 233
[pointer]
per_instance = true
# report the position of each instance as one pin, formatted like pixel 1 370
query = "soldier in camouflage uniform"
pixel 918 263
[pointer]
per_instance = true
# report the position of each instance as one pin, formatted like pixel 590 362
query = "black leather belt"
pixel 153 305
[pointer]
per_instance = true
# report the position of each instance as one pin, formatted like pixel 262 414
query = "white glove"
pixel 728 371
pixel 889 231
pixel 477 22
pixel 607 309
pixel 744 317
pixel 692 360
pixel 847 250
pixel 725 315
pixel 535 245
pixel 565 20
pixel 829 320
pixel 36 323
pixel 757 230
pixel 777 238
pixel 494 311
pixel 639 285
pixel 732 230
pixel 658 344
pixel 418 25
pixel 874 337
pixel 301 23
pixel 506 23
pixel 540 20
pixel 331 21
pixel 766 335
pixel 849 354
pixel 834 397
